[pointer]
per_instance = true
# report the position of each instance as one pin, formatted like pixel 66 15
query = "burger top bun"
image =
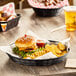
pixel 26 42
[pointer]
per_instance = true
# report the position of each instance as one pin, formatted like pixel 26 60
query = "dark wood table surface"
pixel 42 27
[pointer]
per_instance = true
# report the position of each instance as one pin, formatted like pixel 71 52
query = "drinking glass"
pixel 70 18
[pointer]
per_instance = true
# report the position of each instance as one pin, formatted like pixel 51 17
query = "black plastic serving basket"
pixel 39 62
pixel 47 12
pixel 11 23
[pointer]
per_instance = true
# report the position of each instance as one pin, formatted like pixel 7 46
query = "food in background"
pixel 3 16
pixel 28 47
pixel 4 26
pixel 49 2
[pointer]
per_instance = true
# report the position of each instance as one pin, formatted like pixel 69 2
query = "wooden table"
pixel 42 27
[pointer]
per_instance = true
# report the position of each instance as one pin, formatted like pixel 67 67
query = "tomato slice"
pixel 25 35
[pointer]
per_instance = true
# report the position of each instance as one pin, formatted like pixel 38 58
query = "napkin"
pixel 29 32
pixel 7 49
pixel 47 56
pixel 39 5
pixel 9 9
pixel 70 63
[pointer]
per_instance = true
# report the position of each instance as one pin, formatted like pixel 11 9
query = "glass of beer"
pixel 4 26
pixel 70 18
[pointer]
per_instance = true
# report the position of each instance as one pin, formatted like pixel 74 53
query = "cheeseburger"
pixel 26 43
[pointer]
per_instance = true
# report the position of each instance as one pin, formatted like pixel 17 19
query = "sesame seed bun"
pixel 26 43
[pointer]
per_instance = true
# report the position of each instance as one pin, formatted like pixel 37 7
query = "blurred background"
pixel 24 3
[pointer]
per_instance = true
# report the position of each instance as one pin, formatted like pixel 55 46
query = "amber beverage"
pixel 4 26
pixel 70 18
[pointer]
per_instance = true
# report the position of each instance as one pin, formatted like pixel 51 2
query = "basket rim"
pixel 48 8
pixel 18 15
